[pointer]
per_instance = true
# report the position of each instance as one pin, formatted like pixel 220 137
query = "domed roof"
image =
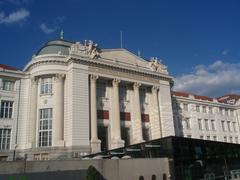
pixel 55 46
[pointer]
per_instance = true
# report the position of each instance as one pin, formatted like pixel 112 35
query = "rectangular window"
pixel 223 125
pixel 229 126
pixel 204 109
pixel 215 138
pixel 185 107
pixel 46 85
pixel 206 124
pixel 5 136
pixel 8 85
pixel 234 126
pixel 6 109
pixel 200 124
pixel 146 134
pixel 143 95
pixel 101 90
pixel 123 93
pixel 236 140
pixel 225 138
pixel 187 122
pixel 221 111
pixel 210 110
pixel 197 108
pixel 201 137
pixel 226 112
pixel 230 139
pixel 213 125
pixel 208 137
pixel 45 127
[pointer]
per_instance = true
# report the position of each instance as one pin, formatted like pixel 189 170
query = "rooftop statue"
pixel 89 48
pixel 156 65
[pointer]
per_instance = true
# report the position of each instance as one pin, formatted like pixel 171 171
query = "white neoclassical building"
pixel 73 99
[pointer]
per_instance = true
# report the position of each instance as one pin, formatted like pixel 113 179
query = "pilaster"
pixel 95 142
pixel 116 140
pixel 137 121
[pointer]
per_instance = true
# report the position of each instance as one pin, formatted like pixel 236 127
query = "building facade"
pixel 73 99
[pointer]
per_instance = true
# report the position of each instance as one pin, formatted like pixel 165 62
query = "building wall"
pixel 186 109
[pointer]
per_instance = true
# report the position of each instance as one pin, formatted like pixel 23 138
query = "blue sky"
pixel 191 37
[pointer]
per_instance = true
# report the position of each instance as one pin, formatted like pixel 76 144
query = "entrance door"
pixel 103 136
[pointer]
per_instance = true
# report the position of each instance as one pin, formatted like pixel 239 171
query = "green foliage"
pixel 92 173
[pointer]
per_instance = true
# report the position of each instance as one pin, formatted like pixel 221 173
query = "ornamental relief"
pixel 89 49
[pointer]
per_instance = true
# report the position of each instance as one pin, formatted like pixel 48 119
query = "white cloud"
pixel 14 17
pixel 213 80
pixel 47 29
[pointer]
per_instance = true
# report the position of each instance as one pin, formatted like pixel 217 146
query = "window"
pixel 6 109
pixel 228 126
pixel 200 124
pixel 208 137
pixel 5 136
pixel 187 123
pixel 215 138
pixel 101 90
pixel 197 108
pixel 213 125
pixel 223 125
pixel 185 107
pixel 143 95
pixel 221 111
pixel 234 126
pixel 46 86
pixel 236 139
pixel 146 134
pixel 206 124
pixel 210 110
pixel 225 138
pixel 201 137
pixel 8 85
pixel 204 109
pixel 226 112
pixel 45 127
pixel 38 157
pixel 123 93
pixel 230 139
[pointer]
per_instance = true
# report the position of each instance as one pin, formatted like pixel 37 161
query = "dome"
pixel 55 46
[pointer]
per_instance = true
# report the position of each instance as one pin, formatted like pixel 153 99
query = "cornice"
pixel 46 59
pixel 197 101
pixel 118 68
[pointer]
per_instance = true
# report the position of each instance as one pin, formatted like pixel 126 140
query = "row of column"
pixel 58 112
pixel 116 140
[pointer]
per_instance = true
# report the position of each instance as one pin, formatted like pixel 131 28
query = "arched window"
pixel 154 177
pixel 141 178
pixel 164 176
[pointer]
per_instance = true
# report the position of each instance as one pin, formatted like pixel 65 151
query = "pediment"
pixel 123 56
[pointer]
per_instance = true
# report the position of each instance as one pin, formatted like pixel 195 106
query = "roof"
pixel 3 66
pixel 227 99
pixel 55 46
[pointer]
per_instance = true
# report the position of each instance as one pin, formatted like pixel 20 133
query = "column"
pixel 137 120
pixel 155 116
pixel 116 140
pixel 33 113
pixel 95 142
pixel 58 121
